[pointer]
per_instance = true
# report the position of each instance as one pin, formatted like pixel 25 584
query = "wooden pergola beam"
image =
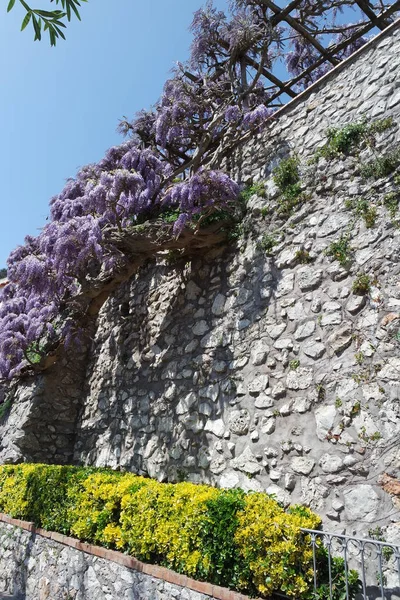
pixel 297 26
pixel 367 9
pixel 277 18
pixel 381 20
pixel 339 47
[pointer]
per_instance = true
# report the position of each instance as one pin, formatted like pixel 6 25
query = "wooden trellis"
pixel 329 54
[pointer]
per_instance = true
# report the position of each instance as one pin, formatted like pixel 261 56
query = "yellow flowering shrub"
pixel 245 541
pixel 167 520
pixel 272 545
pixel 13 489
pixel 96 506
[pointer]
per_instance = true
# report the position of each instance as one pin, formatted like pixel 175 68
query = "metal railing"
pixel 377 563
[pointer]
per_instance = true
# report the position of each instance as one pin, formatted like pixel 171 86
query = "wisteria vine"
pixel 170 162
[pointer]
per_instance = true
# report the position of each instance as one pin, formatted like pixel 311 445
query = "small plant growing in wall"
pixel 294 364
pixel 359 356
pixel 340 250
pixel 286 177
pixel 343 140
pixel 391 203
pixel 346 140
pixel 303 257
pixel 383 165
pixel 267 243
pixel 255 189
pixel 355 409
pixel 373 437
pixel 363 208
pixel 362 284
pixel 321 392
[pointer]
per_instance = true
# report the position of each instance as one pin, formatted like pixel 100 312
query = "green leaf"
pixel 10 5
pixel 52 37
pixel 78 16
pixel 59 32
pixel 26 20
pixel 48 15
pixel 37 27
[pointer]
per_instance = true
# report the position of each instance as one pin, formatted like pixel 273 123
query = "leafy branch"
pixel 49 20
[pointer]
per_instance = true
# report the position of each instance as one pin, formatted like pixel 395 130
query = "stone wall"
pixel 40 417
pixel 242 369
pixel 36 564
pixel 248 368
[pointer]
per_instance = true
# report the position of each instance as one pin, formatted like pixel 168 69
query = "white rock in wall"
pixel 304 331
pixel 313 492
pixel 230 479
pixel 361 503
pixel 332 224
pixel 186 403
pixel 259 384
pixel 331 463
pixel 246 462
pixel 296 312
pixel 309 278
pixel 391 369
pixel 263 401
pixel 281 495
pixel 239 421
pixel 200 328
pixel 325 419
pixel 314 350
pixel 299 379
pixel 302 465
pixel 218 306
pixel 210 391
pixel 216 427
pixel 285 285
pixel 276 330
pixel 192 290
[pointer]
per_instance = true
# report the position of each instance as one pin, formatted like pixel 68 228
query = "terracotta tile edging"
pixel 130 562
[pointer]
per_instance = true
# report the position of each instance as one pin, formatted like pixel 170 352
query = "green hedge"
pixel 243 541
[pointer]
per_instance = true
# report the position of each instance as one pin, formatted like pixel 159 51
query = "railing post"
pixel 360 544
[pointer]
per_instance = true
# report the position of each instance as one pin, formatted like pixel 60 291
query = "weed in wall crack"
pixel 303 257
pixel 267 243
pixel 363 208
pixel 255 189
pixel 341 250
pixel 286 177
pixel 382 166
pixel 391 203
pixel 362 284
pixel 346 140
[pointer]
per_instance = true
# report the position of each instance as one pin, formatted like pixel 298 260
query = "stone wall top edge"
pixel 322 81
pixel 213 591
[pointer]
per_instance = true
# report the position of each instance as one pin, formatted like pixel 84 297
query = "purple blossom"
pixel 206 104
pixel 233 114
pixel 256 119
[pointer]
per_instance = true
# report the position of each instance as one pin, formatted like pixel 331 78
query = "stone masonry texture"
pixel 247 367
pixel 36 566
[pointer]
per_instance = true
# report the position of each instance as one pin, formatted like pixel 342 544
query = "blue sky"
pixel 59 107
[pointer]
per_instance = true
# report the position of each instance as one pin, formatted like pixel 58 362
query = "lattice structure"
pixel 327 56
